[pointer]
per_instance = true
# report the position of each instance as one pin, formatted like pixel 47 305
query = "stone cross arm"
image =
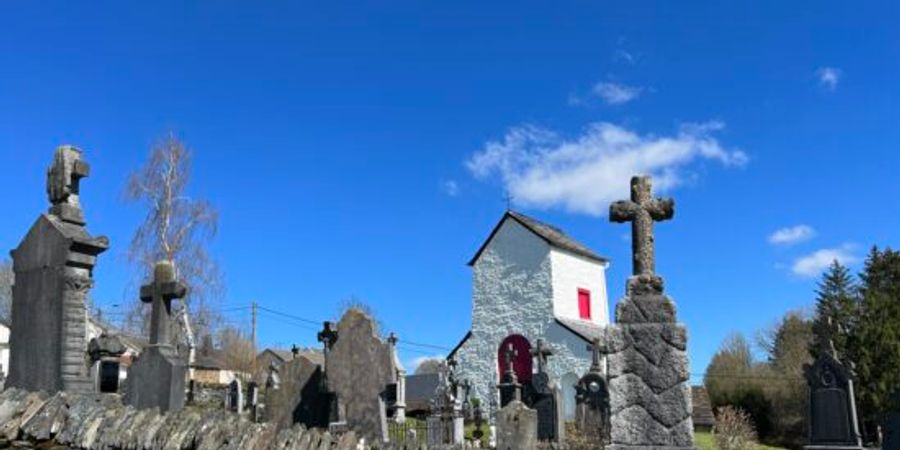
pixel 166 291
pixel 658 209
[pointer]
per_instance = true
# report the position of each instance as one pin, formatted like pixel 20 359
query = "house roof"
pixel 589 331
pixel 550 234
pixel 315 356
pixel 421 387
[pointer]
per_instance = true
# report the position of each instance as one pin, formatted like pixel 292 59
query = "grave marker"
pixel 832 403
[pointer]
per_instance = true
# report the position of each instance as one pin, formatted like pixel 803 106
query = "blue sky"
pixel 363 150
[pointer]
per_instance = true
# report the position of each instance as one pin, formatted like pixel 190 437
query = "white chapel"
pixel 531 281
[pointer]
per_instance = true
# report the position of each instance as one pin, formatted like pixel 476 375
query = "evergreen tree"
pixel 877 337
pixel 837 312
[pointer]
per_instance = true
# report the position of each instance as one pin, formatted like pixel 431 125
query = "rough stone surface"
pixel 53 270
pixel 300 397
pixel 517 427
pixel 358 368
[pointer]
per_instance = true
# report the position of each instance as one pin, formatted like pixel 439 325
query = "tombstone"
pixel 650 394
pixel 546 398
pixel 446 424
pixel 157 377
pixel 397 391
pixel 832 404
pixel 359 367
pixel 273 379
pixel 516 427
pixel 53 268
pixel 253 400
pixel 592 402
pixel 105 352
pixel 235 397
pixel 510 389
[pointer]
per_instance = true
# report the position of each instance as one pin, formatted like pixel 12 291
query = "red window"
pixel 584 304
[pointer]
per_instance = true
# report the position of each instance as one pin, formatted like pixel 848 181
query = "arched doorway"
pixel 521 361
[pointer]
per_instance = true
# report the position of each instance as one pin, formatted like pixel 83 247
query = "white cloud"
pixel 615 93
pixel 584 174
pixel 450 188
pixel 792 235
pixel 813 264
pixel 829 77
pixel 624 55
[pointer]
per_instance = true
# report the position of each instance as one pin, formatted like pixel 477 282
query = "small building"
pixel 531 281
pixel 278 357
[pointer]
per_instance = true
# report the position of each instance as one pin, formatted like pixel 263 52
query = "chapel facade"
pixel 531 281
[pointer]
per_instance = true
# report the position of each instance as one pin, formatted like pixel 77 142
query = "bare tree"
pixel 237 350
pixel 430 366
pixel 177 228
pixel 7 278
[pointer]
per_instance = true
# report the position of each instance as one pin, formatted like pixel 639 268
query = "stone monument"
pixel 516 427
pixel 157 377
pixel 592 402
pixel 546 398
pixel 359 367
pixel 105 352
pixel 510 388
pixel 53 268
pixel 235 397
pixel 832 404
pixel 650 394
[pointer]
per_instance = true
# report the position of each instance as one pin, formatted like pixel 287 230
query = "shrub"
pixel 734 430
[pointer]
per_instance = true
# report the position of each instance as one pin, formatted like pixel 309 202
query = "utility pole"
pixel 253 338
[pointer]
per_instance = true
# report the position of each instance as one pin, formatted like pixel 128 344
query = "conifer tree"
pixel 877 337
pixel 837 312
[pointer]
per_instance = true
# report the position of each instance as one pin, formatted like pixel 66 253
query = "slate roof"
pixel 315 356
pixel 582 328
pixel 552 235
pixel 420 389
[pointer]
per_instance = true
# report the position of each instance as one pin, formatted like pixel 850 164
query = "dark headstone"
pixel 546 398
pixel 510 388
pixel 53 268
pixel 105 352
pixel 832 408
pixel 157 377
pixel 650 397
pixel 235 397
pixel 359 368
pixel 592 403
pixel 108 376
pixel 301 397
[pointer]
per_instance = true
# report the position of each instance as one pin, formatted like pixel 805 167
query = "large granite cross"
pixel 642 210
pixel 160 294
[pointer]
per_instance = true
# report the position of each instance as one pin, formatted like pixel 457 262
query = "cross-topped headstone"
pixel 160 294
pixel 63 179
pixel 509 355
pixel 596 349
pixel 642 210
pixel 541 353
pixel 510 387
pixel 328 336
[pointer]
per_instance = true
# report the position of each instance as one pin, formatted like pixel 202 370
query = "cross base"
pixel 644 284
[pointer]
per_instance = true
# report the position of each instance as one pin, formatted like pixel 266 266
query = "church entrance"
pixel 522 363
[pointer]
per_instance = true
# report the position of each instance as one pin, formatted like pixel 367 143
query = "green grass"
pixel 705 441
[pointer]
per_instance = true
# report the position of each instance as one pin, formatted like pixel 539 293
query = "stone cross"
pixel 328 336
pixel 508 356
pixel 160 294
pixel 541 352
pixel 596 349
pixel 642 210
pixel 63 179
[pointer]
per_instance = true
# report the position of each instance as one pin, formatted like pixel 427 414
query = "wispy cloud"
pixel 624 56
pixel 450 187
pixel 813 264
pixel 584 174
pixel 792 235
pixel 616 93
pixel 829 77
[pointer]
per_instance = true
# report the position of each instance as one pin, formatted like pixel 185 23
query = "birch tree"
pixel 176 228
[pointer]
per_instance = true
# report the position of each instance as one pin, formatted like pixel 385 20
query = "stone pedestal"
pixel 650 394
pixel 53 268
pixel 157 379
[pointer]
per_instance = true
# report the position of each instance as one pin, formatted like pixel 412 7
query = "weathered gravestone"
pixel 510 388
pixel 832 405
pixel 546 398
pixel 105 351
pixel 157 377
pixel 650 397
pixel 297 394
pixel 516 427
pixel 446 423
pixel 592 403
pixel 53 268
pixel 359 368
pixel 235 397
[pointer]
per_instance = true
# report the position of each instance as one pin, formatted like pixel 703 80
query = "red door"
pixel 584 304
pixel 521 361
